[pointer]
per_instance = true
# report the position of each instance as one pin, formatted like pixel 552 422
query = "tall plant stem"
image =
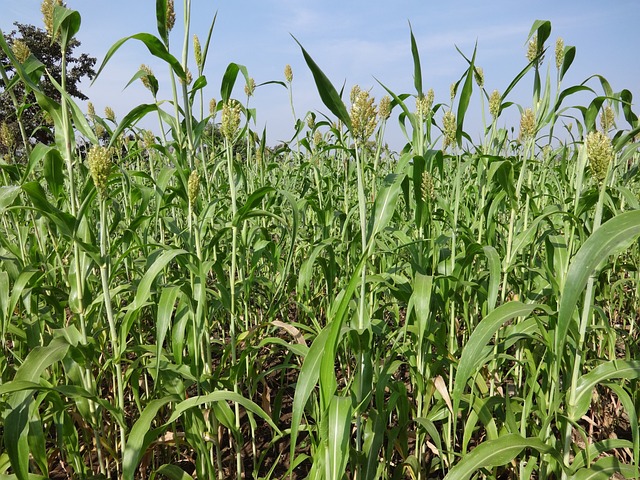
pixel 232 289
pixel 105 267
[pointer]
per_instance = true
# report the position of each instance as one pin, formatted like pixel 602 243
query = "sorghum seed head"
pixel 311 121
pixel 495 101
pixel 99 160
pixel 193 187
pixel 599 153
pixel 21 50
pixel 197 51
pixel 100 131
pixel 559 53
pixel 317 138
pixel 189 78
pixel 145 78
pixel 384 109
pixel 427 187
pixel 532 50
pixel 109 114
pixel 6 136
pixel 478 74
pixel 452 90
pixel 230 119
pixel 607 118
pixel 423 105
pixel 450 128
pixel 353 95
pixel 527 125
pixel 148 139
pixel 46 8
pixel 91 110
pixel 288 73
pixel 171 15
pixel 363 115
pixel 212 106
pixel 250 87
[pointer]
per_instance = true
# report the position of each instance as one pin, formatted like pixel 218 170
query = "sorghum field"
pixel 194 303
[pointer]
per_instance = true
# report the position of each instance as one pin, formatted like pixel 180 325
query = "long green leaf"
pixel 494 453
pixel 141 436
pixel 155 47
pixel 613 369
pixel 16 416
pixel 339 427
pixel 472 354
pixel 417 69
pixel 605 241
pixel 327 92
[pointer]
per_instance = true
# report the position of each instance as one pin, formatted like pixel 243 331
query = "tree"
pixel 39 44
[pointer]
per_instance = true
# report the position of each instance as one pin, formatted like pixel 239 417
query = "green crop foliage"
pixel 197 304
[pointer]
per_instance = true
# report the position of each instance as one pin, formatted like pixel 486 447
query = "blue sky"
pixel 353 42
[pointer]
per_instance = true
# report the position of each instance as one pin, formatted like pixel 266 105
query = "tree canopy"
pixel 49 53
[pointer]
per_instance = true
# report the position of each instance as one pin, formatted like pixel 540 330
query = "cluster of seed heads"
pixel 607 118
pixel 171 15
pixel 288 73
pixel 478 74
pixel 21 50
pixel 230 119
pixel 109 114
pixel 527 125
pixel 363 114
pixel 145 78
pixel 193 187
pixel 47 8
pixel 424 103
pixel 250 87
pixel 533 52
pixel 559 53
pixel 384 108
pixel 450 128
pixel 427 187
pixel 197 52
pixel 599 153
pixel 495 102
pixel 6 136
pixel 99 160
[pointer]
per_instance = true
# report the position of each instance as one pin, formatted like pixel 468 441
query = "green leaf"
pixel 569 56
pixel 136 114
pixel 63 220
pixel 144 288
pixel 8 194
pixel 161 20
pixel 16 416
pixel 173 472
pixel 229 79
pixel 141 436
pixel 472 354
pixel 605 241
pixel 340 412
pixel 494 453
pixel 613 369
pixel 163 320
pixel 66 22
pixel 307 380
pixel 493 260
pixel 155 47
pixel 465 97
pixel 221 396
pixel 417 70
pixel 606 468
pixel 386 201
pixel 327 92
